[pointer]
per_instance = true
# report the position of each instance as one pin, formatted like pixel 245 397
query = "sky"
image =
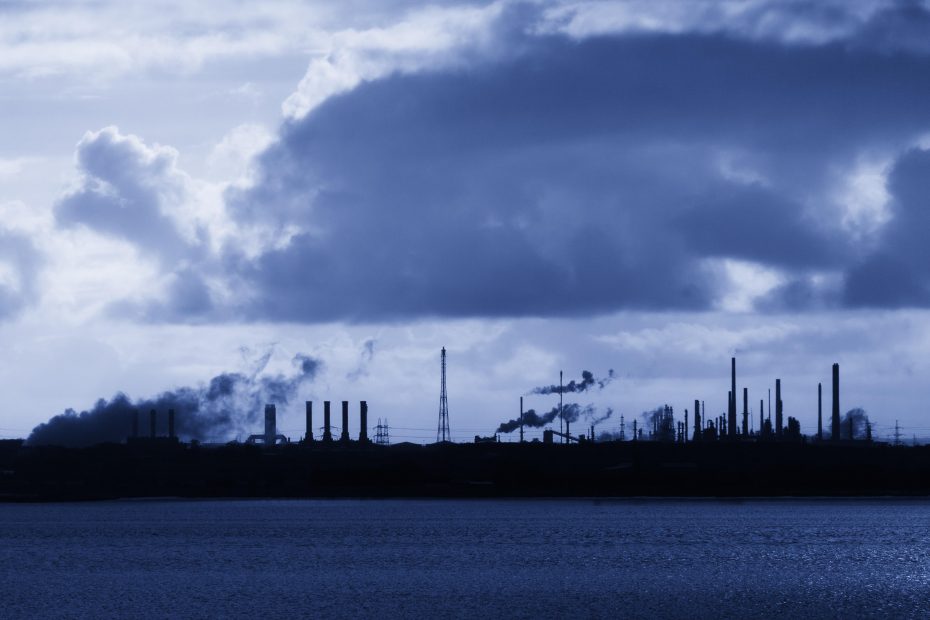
pixel 648 187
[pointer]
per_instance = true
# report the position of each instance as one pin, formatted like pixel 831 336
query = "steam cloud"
pixel 229 404
pixel 587 381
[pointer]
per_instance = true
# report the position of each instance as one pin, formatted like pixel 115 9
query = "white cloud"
pixel 431 38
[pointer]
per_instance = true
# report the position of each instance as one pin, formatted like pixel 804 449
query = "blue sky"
pixel 649 187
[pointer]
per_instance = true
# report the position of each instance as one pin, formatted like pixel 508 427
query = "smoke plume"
pixel 572 412
pixel 228 405
pixel 859 420
pixel 587 381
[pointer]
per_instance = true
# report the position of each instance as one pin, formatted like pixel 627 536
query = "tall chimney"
pixel 171 423
pixel 135 423
pixel 697 420
pixel 819 412
pixel 271 425
pixel 745 412
pixel 308 437
pixel 836 402
pixel 521 419
pixel 327 432
pixel 684 429
pixel 345 422
pixel 152 424
pixel 363 422
pixel 731 417
pixel 778 411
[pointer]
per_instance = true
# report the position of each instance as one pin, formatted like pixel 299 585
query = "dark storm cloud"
pixel 574 178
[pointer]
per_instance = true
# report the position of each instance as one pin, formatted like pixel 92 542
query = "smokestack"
pixel 363 422
pixel 819 412
pixel 697 420
pixel 152 424
pixel 521 419
pixel 836 402
pixel 778 411
pixel 731 413
pixel 684 429
pixel 308 437
pixel 327 432
pixel 345 422
pixel 171 423
pixel 271 425
pixel 135 423
pixel 745 412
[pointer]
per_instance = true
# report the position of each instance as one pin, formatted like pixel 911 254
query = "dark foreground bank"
pixel 614 469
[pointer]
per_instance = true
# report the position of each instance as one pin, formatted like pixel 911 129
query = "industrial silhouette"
pixel 695 453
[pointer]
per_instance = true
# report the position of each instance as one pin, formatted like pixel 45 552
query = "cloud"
pixel 20 263
pixel 496 162
pixel 894 274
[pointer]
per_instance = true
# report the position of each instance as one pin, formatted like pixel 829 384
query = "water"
pixel 424 559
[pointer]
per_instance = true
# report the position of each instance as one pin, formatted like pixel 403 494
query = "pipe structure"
pixel 344 436
pixel 778 409
pixel 745 412
pixel 836 402
pixel 363 421
pixel 731 417
pixel 327 430
pixel 171 423
pixel 308 437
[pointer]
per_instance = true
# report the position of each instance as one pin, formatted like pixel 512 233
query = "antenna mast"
pixel 442 432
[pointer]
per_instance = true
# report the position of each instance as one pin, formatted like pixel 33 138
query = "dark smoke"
pixel 652 417
pixel 587 381
pixel 572 412
pixel 230 404
pixel 859 422
pixel 594 421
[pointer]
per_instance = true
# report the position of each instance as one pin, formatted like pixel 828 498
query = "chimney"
pixel 697 420
pixel 327 432
pixel 308 437
pixel 836 402
pixel 761 416
pixel 135 423
pixel 521 419
pixel 778 410
pixel 171 423
pixel 345 422
pixel 745 412
pixel 271 425
pixel 684 429
pixel 152 424
pixel 363 422
pixel 819 412
pixel 731 414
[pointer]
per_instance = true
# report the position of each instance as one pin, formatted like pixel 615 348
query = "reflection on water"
pixel 536 558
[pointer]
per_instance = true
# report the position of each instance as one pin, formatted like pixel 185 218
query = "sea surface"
pixel 466 559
